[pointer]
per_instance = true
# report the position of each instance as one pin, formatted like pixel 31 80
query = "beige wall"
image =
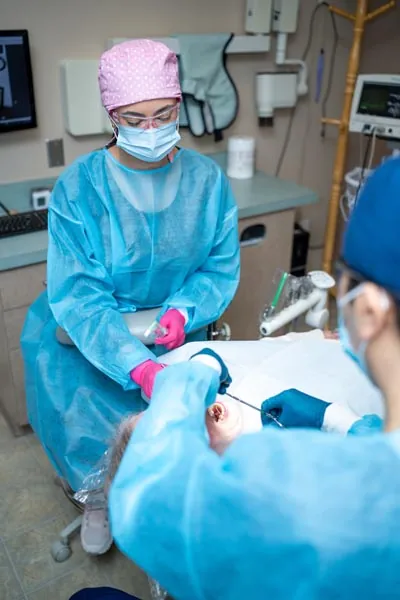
pixel 80 28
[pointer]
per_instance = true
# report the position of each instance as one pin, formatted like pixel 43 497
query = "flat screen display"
pixel 17 102
pixel 380 100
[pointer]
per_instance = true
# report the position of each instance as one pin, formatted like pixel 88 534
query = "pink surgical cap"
pixel 136 71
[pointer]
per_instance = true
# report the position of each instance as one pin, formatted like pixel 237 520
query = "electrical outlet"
pixel 40 198
pixel 55 153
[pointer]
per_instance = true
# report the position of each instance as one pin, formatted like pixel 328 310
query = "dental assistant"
pixel 282 514
pixel 139 224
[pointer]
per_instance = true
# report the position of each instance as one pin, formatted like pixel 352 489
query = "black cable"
pixel 331 69
pixel 293 110
pixel 364 166
pixel 4 207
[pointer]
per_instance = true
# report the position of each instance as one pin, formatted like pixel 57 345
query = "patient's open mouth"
pixel 217 411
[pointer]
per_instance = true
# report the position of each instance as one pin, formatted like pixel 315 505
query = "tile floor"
pixel 33 510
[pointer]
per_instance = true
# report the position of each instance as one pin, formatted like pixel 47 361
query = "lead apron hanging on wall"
pixel 210 99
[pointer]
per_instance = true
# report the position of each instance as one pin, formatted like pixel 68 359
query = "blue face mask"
pixel 357 356
pixel 149 145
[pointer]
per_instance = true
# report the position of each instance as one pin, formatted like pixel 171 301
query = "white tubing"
pixel 291 312
pixel 281 60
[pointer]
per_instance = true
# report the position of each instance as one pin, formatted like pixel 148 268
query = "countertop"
pixel 263 194
pixel 260 195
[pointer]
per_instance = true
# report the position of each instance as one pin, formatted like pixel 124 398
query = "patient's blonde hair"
pixel 124 434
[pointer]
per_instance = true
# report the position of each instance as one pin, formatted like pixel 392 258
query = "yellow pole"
pixel 341 151
pixel 342 13
pixel 380 11
pixel 360 17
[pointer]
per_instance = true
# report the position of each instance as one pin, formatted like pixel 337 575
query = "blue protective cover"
pixel 290 514
pixel 119 241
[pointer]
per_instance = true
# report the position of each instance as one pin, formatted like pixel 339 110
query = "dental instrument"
pixel 274 419
pixel 155 327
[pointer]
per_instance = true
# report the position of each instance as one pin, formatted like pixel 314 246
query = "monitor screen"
pixel 17 103
pixel 380 100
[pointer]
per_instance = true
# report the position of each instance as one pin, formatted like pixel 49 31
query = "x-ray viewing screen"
pixel 17 103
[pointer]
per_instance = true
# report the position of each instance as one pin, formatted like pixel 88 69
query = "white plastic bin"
pixel 353 188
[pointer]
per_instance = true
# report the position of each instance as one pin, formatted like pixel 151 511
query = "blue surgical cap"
pixel 371 244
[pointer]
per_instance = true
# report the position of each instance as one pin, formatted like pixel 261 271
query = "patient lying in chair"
pixel 223 420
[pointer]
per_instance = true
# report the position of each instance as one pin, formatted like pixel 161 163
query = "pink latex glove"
pixel 145 374
pixel 174 322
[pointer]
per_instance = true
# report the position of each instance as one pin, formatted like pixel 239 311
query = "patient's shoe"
pixel 95 531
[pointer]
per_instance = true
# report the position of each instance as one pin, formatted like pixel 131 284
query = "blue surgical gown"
pixel 288 514
pixel 366 425
pixel 120 241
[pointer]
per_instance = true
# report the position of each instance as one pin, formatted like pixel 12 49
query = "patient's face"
pixel 224 423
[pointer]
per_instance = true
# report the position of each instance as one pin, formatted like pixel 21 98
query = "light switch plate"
pixel 55 153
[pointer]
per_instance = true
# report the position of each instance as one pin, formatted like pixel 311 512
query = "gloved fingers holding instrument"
pixel 144 375
pixel 294 408
pixel 171 332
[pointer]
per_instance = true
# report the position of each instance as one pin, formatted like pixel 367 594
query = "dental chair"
pixel 293 297
pixel 61 548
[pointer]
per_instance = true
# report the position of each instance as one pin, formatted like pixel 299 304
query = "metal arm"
pixel 310 298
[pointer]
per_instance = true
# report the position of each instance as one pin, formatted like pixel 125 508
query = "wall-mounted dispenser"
pixel 280 89
pixel 258 16
pixel 274 90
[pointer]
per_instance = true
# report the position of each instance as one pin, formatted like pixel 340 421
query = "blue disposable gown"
pixel 281 515
pixel 120 241
pixel 366 425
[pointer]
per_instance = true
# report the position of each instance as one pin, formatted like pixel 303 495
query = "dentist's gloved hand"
pixel 144 375
pixel 297 409
pixel 174 322
pixel 293 408
pixel 212 359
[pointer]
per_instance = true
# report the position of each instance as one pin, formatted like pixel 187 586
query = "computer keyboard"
pixel 27 222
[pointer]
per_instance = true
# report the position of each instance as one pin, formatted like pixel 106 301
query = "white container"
pixel 241 155
pixel 355 179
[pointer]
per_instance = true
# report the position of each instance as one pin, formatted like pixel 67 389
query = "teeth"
pixel 217 412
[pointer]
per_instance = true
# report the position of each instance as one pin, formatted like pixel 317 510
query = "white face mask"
pixel 149 145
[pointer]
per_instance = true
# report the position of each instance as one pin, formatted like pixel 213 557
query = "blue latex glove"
pixel 225 379
pixel 295 409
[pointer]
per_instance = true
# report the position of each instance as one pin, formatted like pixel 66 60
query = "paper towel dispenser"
pixel 82 109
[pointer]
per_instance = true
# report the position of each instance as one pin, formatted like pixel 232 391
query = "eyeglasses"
pixel 155 121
